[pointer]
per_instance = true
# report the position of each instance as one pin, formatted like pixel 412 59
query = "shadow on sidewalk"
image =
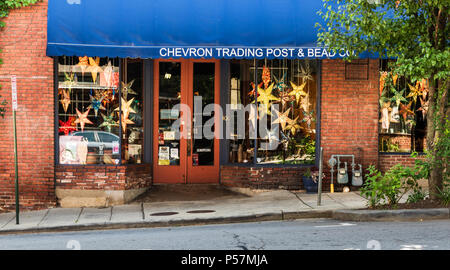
pixel 186 192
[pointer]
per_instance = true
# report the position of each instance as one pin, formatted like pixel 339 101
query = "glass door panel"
pixel 203 122
pixel 169 97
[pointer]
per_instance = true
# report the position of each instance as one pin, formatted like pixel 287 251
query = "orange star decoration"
pixel 265 76
pixel 394 79
pixel 252 93
pixel 94 67
pixel 82 119
pixel 126 110
pixel 383 77
pixel 293 126
pixel 415 91
pixel 424 87
pixel 283 118
pixel 298 91
pixel 265 97
pixel 83 63
pixel 423 107
pixel 65 100
pixel 405 110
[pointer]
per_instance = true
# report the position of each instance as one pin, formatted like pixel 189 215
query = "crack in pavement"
pixel 301 200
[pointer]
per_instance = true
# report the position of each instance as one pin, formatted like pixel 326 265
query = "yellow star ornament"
pixel 415 91
pixel 293 126
pixel 283 118
pixel 94 67
pixel 297 91
pixel 126 110
pixel 265 97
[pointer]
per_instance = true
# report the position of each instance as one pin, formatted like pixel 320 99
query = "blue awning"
pixel 185 28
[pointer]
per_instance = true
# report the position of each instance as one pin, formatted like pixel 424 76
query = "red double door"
pixel 186 154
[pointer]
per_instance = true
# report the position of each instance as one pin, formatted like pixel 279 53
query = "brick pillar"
pixel 23 45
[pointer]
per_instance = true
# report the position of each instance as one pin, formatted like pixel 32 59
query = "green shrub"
pixel 392 186
pixel 373 187
pixel 417 196
pixel 444 195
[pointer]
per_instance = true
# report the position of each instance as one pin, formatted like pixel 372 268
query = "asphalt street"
pixel 307 234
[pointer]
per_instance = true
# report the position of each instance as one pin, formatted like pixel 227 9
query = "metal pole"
pixel 16 167
pixel 319 193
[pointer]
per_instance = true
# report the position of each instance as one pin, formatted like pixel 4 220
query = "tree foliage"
pixel 416 34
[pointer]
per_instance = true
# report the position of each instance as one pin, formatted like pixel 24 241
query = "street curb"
pixel 182 222
pixel 392 215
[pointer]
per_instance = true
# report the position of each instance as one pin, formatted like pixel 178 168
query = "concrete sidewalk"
pixel 268 205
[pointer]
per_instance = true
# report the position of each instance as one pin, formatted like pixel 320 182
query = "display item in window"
pixel 305 104
pixel 83 63
pixel 282 118
pixel 126 89
pixel 293 126
pixel 108 122
pixel 423 107
pixel 280 85
pixel 106 77
pixel 69 81
pixel 385 119
pixel 126 110
pixel 82 119
pixel 398 97
pixel 68 126
pixel 415 91
pixel 96 104
pixel 405 110
pixel 65 99
pixel 305 73
pixel 265 76
pixel 297 91
pixel 94 68
pixel 266 97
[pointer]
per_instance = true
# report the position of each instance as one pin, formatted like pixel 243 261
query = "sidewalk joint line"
pixel 12 218
pixel 42 219
pixel 110 214
pixel 79 215
pixel 338 202
pixel 142 211
pixel 301 200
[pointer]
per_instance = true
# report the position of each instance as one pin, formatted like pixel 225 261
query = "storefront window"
pixel 88 97
pixel 403 113
pixel 92 99
pixel 132 127
pixel 286 115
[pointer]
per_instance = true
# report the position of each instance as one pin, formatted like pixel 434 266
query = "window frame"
pixel 56 116
pixel 225 88
pixel 379 133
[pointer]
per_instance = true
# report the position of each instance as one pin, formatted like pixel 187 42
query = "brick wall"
pixel 349 114
pixel 98 177
pixel 23 43
pixel 262 178
pixel 387 161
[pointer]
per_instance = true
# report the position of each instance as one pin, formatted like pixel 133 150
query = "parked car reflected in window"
pixel 103 147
